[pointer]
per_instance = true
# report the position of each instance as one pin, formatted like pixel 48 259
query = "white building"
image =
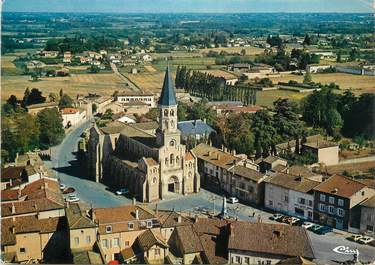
pixel 72 116
pixel 292 195
pixel 147 58
pixel 149 99
pixel 312 68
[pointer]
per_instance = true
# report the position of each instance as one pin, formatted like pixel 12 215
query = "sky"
pixel 184 6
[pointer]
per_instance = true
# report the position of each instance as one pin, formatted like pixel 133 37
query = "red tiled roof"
pixel 189 156
pixel 69 111
pixel 340 186
pixel 275 239
pixel 9 195
pixel 11 172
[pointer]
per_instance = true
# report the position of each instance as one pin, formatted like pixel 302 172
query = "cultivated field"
pixel 249 50
pixel 150 68
pixel 358 83
pixel 266 98
pixel 220 73
pixel 8 67
pixel 104 84
pixel 148 81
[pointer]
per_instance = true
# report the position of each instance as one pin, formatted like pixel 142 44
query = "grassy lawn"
pixel 266 98
pixel 148 81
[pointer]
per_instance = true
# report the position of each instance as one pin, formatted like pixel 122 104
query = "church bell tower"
pixel 167 105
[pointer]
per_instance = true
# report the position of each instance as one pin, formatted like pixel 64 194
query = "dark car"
pixel 69 190
pixel 324 230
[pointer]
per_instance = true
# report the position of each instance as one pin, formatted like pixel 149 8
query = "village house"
pixel 82 229
pixel 119 231
pixel 72 116
pixel 32 224
pixel 324 151
pixel 268 243
pixel 367 225
pixel 292 195
pixel 31 65
pixel 67 57
pixel 146 58
pixel 195 129
pixel 337 202
pixel 49 54
pixel 236 175
pixel 13 177
pixel 271 163
pixel 316 68
pixel 151 247
pixel 127 98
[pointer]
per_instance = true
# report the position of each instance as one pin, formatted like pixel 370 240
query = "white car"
pixel 62 186
pixel 122 191
pixel 365 240
pixel 233 200
pixel 307 225
pixel 355 238
pixel 294 220
pixel 72 198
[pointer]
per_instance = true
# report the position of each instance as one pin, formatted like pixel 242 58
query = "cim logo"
pixel 346 250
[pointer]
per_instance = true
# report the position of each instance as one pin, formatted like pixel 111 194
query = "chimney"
pixel 179 219
pixel 205 120
pixel 137 214
pixel 13 208
pixel 134 202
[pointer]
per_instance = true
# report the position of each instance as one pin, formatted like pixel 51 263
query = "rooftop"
pixel 150 238
pixel 320 144
pixel 190 242
pixel 248 173
pixel 168 94
pixel 194 127
pixel 340 186
pixel 277 239
pixel 292 182
pixel 42 105
pixel 76 219
pixel 214 156
pixel 139 135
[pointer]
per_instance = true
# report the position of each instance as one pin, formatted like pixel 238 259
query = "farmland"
pixel 360 84
pixel 104 84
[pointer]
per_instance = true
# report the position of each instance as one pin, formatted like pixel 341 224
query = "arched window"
pixel 154 180
pixel 190 174
pixel 166 124
pixel 172 112
pixel 166 113
pixel 172 158
pixel 190 165
pixel 177 160
pixel 172 124
pixel 171 143
pixel 166 161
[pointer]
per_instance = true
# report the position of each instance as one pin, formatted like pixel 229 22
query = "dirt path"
pixel 129 83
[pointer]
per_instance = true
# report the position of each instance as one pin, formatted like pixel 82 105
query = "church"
pixel 152 165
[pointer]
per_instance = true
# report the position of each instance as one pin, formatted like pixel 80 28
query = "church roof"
pixel 168 95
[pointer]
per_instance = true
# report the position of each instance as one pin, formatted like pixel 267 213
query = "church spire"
pixel 168 95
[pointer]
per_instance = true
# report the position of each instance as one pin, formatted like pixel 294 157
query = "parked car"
pixel 307 225
pixel 365 240
pixel 276 216
pixel 355 238
pixel 68 190
pixel 233 200
pixel 62 186
pixel 315 228
pixel 72 198
pixel 324 230
pixel 122 191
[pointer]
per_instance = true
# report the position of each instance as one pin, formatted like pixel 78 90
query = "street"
pixel 71 173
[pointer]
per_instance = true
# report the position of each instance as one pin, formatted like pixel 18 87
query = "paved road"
pixel 95 194
pixel 71 173
pixel 131 85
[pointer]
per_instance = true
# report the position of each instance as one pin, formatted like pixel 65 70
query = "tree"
pixel 307 40
pixel 243 52
pixel 107 114
pixel 51 127
pixel 13 101
pixel 65 102
pixel 94 69
pixel 339 54
pixel 32 97
pixel 94 108
pixel 61 93
pixel 307 79
pixel 265 134
pixel 287 122
pixel 53 97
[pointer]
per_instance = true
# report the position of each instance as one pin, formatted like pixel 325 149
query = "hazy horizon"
pixel 189 6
